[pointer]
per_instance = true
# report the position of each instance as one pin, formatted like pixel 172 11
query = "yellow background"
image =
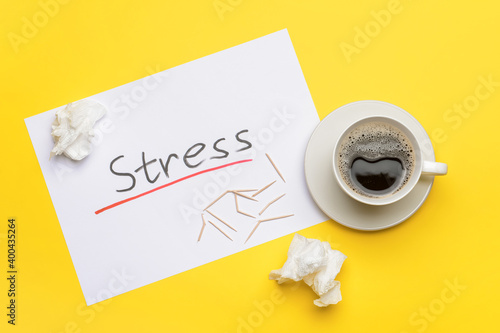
pixel 428 58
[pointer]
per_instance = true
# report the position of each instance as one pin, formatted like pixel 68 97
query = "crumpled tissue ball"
pixel 316 264
pixel 73 128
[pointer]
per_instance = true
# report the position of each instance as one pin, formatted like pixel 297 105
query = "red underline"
pixel 167 185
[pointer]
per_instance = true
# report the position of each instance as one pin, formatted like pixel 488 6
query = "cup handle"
pixel 434 168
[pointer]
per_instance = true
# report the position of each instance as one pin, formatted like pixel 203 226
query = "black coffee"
pixel 377 177
pixel 376 159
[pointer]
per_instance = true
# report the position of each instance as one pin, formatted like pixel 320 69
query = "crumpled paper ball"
pixel 73 128
pixel 316 264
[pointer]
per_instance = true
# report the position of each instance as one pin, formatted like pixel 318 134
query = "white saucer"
pixel 325 190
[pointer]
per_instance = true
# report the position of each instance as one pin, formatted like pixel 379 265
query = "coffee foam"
pixel 372 141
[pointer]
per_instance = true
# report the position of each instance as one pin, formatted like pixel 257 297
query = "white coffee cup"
pixel 421 167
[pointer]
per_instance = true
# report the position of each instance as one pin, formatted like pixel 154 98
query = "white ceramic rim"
pixel 389 198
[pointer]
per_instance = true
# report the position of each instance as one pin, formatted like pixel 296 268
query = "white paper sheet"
pixel 256 89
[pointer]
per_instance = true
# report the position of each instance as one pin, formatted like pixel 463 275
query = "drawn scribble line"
pixel 99 211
